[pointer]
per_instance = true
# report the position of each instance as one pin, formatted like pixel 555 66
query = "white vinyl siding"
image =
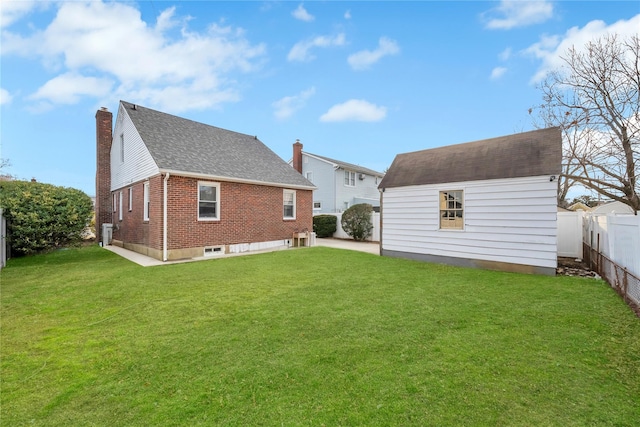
pixel 505 220
pixel 124 171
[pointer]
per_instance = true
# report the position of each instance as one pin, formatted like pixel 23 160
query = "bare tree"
pixel 595 99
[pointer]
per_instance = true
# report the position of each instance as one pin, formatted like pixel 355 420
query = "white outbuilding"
pixel 486 204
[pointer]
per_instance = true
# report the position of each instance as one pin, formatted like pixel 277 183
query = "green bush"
pixel 325 225
pixel 356 221
pixel 43 216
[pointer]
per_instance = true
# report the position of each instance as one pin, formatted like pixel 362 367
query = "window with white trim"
pixel 130 199
pixel 349 178
pixel 317 205
pixel 122 148
pixel 114 203
pixel 208 201
pixel 147 203
pixel 451 210
pixel 120 204
pixel 288 204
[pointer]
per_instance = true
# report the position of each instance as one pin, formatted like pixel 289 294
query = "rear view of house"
pixel 487 204
pixel 174 188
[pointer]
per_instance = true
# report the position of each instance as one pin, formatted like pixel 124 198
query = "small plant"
pixel 325 225
pixel 356 221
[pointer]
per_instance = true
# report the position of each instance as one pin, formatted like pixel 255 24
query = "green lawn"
pixel 313 336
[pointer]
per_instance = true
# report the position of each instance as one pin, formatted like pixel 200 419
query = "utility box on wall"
pixel 107 234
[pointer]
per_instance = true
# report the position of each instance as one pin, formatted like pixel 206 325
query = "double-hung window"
pixel 208 201
pixel 120 204
pixel 289 204
pixel 451 210
pixel 349 178
pixel 145 198
pixel 130 199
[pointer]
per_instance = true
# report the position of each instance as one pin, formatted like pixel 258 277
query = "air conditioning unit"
pixel 107 234
pixel 361 177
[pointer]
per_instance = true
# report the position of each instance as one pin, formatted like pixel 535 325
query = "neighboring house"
pixel 174 188
pixel 614 207
pixel 487 204
pixel 579 206
pixel 339 185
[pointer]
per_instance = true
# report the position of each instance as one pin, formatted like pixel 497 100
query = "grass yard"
pixel 315 336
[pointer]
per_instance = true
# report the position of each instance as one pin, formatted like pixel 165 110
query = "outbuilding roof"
pixel 184 146
pixel 533 153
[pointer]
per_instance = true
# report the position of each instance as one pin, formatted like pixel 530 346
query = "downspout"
pixel 164 218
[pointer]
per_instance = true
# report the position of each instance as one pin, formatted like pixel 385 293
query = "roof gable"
pixel 184 146
pixel 525 154
pixel 345 165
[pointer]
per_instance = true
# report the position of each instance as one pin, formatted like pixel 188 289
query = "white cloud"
pixel 5 97
pixel 365 58
pixel 550 48
pixel 12 11
pixel 516 13
pixel 347 14
pixel 505 54
pixel 287 106
pixel 177 72
pixel 498 72
pixel 354 110
pixel 69 87
pixel 302 14
pixel 301 50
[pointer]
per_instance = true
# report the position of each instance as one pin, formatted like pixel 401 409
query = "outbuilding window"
pixel 451 210
pixel 208 201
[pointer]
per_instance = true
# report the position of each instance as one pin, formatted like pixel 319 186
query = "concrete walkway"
pixel 146 261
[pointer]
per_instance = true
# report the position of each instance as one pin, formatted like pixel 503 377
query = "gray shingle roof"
pixel 182 145
pixel 533 153
pixel 349 166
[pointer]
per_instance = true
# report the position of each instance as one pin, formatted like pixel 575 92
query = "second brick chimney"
pixel 297 156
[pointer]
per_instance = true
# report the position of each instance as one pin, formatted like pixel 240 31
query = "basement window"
pixel 213 250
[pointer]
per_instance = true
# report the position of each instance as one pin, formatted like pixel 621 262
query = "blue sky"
pixel 356 81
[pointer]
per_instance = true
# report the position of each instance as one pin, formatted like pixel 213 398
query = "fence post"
pixel 625 282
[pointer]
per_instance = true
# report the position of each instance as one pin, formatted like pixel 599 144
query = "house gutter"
pixel 239 180
pixel 164 218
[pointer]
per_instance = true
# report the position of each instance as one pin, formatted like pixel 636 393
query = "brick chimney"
pixel 297 156
pixel 104 136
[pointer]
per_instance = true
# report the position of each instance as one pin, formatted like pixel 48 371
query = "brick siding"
pixel 249 213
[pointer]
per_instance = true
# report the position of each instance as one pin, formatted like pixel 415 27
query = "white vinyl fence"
pixel 375 233
pixel 617 237
pixel 570 234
